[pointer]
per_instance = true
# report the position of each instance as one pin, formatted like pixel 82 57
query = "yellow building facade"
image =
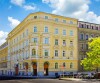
pixel 43 44
pixel 3 58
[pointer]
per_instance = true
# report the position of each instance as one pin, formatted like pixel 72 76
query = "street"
pixel 45 81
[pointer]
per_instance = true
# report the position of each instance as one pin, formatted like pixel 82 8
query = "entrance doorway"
pixel 16 69
pixel 34 68
pixel 26 68
pixel 46 68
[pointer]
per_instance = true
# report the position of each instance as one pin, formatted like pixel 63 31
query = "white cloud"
pixel 18 2
pixel 3 36
pixel 29 7
pixel 73 8
pixel 13 22
pixel 23 4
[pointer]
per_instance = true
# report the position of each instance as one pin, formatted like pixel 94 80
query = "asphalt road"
pixel 45 81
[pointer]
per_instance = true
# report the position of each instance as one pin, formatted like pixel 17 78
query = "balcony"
pixel 34 56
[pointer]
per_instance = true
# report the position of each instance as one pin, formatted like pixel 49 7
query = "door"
pixel 46 69
pixel 35 69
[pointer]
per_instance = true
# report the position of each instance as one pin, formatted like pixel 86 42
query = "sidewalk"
pixel 77 79
pixel 71 79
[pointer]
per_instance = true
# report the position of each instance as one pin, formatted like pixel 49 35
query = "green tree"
pixel 92 61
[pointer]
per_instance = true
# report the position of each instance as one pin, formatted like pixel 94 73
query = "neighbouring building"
pixel 43 44
pixel 3 58
pixel 86 30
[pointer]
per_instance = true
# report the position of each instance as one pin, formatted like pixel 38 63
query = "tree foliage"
pixel 92 61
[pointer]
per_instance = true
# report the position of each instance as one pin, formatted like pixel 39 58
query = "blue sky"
pixel 12 12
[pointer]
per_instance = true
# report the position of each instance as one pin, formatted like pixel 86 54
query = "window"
pixel 23 35
pixel 82 36
pixel 64 21
pixel 82 26
pixel 86 46
pixel 86 37
pixel 56 65
pixel 46 29
pixel 56 41
pixel 92 35
pixel 35 29
pixel 64 65
pixel 56 53
pixel 64 32
pixel 27 32
pixel 64 53
pixel 33 52
pixel 71 43
pixel 82 46
pixel 35 17
pixel 92 27
pixel 71 33
pixel 71 53
pixel 56 31
pixel 71 65
pixel 46 53
pixel 87 26
pixel 96 28
pixel 56 19
pixel 64 42
pixel 35 40
pixel 71 22
pixel 46 17
pixel 46 40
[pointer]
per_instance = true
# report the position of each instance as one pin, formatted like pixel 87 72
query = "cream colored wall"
pixel 41 23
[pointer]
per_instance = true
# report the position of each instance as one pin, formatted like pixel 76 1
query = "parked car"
pixel 97 75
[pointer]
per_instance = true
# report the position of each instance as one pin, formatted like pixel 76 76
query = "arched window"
pixel 33 52
pixel 64 64
pixel 56 65
pixel 71 65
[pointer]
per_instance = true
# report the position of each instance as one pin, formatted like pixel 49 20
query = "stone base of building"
pixel 41 73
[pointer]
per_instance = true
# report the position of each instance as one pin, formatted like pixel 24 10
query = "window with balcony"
pixel 33 52
pixel 64 42
pixel 56 31
pixel 35 29
pixel 56 53
pixel 56 41
pixel 64 53
pixel 46 40
pixel 46 53
pixel 46 17
pixel 64 32
pixel 71 33
pixel 56 65
pixel 46 29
